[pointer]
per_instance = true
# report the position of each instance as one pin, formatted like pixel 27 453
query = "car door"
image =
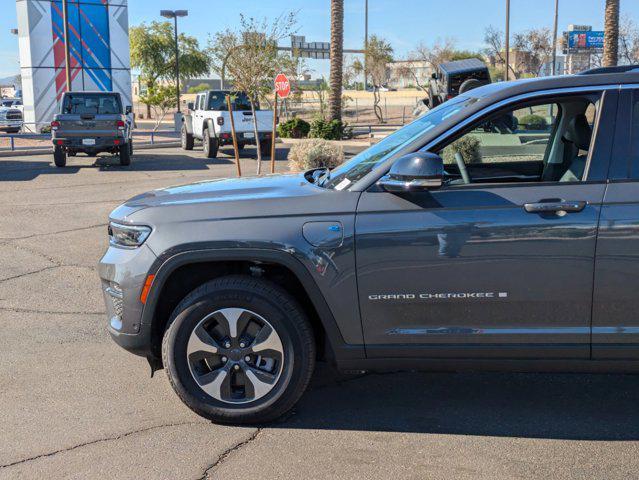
pixel 615 324
pixel 498 268
pixel 198 119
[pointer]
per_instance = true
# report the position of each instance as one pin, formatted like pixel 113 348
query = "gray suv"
pixel 498 231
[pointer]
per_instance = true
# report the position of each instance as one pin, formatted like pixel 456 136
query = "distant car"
pixel 208 120
pixel 11 115
pixel 456 77
pixel 92 123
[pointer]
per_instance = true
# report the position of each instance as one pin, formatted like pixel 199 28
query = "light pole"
pixel 507 38
pixel 554 40
pixel 365 45
pixel 174 14
pixel 67 44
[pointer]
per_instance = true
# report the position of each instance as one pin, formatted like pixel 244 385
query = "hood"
pixel 225 190
pixel 227 198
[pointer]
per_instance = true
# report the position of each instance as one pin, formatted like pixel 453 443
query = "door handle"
pixel 555 207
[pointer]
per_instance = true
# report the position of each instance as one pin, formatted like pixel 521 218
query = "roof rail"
pixel 617 69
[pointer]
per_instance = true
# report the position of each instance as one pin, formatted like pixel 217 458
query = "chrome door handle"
pixel 555 207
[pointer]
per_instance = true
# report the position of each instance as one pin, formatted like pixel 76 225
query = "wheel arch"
pixel 190 269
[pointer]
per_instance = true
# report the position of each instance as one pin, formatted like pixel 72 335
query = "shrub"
pixel 533 122
pixel 294 128
pixel 468 146
pixel 314 153
pixel 328 130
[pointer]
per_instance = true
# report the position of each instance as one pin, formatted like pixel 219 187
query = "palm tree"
pixel 337 59
pixel 611 27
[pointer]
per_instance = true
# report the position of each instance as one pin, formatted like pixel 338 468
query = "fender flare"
pixel 170 261
pixel 210 126
pixel 187 120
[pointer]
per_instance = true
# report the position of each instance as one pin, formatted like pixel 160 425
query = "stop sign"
pixel 282 86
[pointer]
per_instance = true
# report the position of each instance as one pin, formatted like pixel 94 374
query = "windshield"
pixel 360 165
pixel 91 104
pixel 239 101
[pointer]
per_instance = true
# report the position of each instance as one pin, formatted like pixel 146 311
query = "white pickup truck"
pixel 208 120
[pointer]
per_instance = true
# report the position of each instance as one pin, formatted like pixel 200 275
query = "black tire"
pixel 210 145
pixel 265 148
pixel 469 84
pixel 130 147
pixel 125 155
pixel 59 157
pixel 188 142
pixel 284 315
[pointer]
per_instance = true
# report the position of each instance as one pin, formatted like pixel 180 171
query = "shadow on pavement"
pixel 143 161
pixel 550 406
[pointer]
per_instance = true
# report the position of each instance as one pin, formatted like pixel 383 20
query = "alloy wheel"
pixel 235 355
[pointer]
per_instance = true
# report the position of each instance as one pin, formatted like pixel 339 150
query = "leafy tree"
pixel 249 56
pixel 337 59
pixel 153 53
pixel 161 99
pixel 379 53
pixel 202 87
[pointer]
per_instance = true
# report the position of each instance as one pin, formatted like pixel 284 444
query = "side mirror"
pixel 128 110
pixel 190 106
pixel 414 172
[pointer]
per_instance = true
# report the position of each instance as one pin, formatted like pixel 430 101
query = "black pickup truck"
pixel 92 123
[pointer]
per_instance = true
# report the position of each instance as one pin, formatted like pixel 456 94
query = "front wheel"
pixel 239 350
pixel 59 157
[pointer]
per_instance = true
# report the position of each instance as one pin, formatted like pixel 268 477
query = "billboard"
pixel 98 49
pixel 584 41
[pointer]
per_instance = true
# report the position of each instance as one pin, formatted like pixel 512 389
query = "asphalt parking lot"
pixel 74 405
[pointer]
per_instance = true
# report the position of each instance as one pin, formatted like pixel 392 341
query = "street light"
pixel 174 14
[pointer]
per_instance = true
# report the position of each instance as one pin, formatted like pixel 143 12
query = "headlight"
pixel 128 236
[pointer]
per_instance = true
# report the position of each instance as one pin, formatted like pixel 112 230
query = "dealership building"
pixel 98 52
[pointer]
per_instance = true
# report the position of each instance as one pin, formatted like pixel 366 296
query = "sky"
pixel 405 23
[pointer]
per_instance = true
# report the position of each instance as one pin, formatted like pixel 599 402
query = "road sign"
pixel 282 86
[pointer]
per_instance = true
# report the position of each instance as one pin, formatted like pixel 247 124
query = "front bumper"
pixel 122 274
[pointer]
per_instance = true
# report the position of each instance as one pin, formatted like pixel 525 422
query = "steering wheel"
pixel 462 168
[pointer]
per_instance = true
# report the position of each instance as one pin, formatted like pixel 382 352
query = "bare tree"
pixel 251 59
pixel 431 55
pixel 611 38
pixel 628 41
pixel 534 48
pixel 379 53
pixel 337 59
pixel 494 39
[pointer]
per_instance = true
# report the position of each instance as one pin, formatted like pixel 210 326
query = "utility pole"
pixel 67 46
pixel 366 45
pixel 174 14
pixel 554 40
pixel 507 39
